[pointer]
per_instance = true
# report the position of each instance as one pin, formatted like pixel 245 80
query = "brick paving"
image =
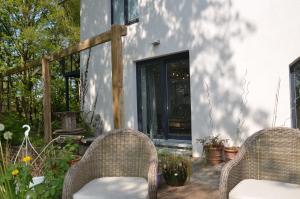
pixel 203 184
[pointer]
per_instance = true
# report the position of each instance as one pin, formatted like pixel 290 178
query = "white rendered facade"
pixel 229 43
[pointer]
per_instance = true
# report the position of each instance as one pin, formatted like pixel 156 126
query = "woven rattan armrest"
pixel 152 180
pixel 77 176
pixel 231 174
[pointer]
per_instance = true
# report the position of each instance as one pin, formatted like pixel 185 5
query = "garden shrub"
pixel 13 123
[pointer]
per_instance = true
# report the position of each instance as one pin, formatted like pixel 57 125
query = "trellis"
pixel 114 35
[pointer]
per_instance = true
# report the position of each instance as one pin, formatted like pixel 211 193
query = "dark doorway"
pixel 164 102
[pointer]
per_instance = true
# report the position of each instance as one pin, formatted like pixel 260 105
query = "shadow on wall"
pixel 96 64
pixel 207 28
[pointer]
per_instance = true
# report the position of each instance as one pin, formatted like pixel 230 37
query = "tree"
pixel 29 29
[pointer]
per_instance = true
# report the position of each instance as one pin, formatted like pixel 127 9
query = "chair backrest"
pixel 273 154
pixel 122 152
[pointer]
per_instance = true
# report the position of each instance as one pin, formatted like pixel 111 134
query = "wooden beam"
pixel 115 36
pixel 21 69
pixel 83 45
pixel 88 43
pixel 1 88
pixel 117 76
pixel 47 100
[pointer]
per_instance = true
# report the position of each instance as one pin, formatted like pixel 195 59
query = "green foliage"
pixel 13 123
pixel 171 164
pixel 212 141
pixel 31 28
pixel 72 8
pixel 56 165
pixel 17 178
pixel 28 30
pixel 14 178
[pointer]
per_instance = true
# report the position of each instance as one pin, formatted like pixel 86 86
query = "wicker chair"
pixel 119 153
pixel 270 154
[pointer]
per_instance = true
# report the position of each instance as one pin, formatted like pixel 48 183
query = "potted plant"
pixel 176 169
pixel 230 152
pixel 213 148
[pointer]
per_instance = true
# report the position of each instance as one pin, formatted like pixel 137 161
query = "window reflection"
pixel 164 100
pixel 124 11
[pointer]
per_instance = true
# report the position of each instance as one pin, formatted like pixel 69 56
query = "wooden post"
pixel 67 94
pixel 117 75
pixel 46 100
pixel 1 92
pixel 8 93
pixel 114 35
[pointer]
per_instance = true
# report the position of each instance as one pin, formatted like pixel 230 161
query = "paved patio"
pixel 204 184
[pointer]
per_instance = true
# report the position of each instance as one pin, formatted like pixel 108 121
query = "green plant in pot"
pixel 213 147
pixel 232 149
pixel 176 169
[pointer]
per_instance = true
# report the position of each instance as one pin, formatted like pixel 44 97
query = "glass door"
pixel 179 100
pixel 295 94
pixel 163 88
pixel 150 103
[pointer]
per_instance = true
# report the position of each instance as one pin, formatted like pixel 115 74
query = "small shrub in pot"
pixel 213 147
pixel 176 169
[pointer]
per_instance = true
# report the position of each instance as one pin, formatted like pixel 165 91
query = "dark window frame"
pixel 162 61
pixel 126 21
pixel 293 104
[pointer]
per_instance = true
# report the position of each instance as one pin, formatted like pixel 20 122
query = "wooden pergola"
pixel 114 35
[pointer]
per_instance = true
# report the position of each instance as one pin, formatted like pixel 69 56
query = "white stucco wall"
pixel 224 39
pixel 95 19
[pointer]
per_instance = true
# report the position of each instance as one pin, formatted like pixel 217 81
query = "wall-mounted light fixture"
pixel 156 43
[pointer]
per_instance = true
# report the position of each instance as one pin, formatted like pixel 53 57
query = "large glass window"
pixel 295 94
pixel 164 104
pixel 124 11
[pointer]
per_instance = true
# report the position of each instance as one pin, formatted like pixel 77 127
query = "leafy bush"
pixel 56 165
pixel 212 141
pixel 13 123
pixel 15 178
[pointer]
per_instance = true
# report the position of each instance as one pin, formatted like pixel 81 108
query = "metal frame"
pixel 68 75
pixel 293 104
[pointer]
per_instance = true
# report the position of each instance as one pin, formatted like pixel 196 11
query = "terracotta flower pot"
pixel 214 155
pixel 230 153
pixel 74 160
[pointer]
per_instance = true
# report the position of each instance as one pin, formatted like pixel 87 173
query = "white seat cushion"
pixel 264 189
pixel 114 188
